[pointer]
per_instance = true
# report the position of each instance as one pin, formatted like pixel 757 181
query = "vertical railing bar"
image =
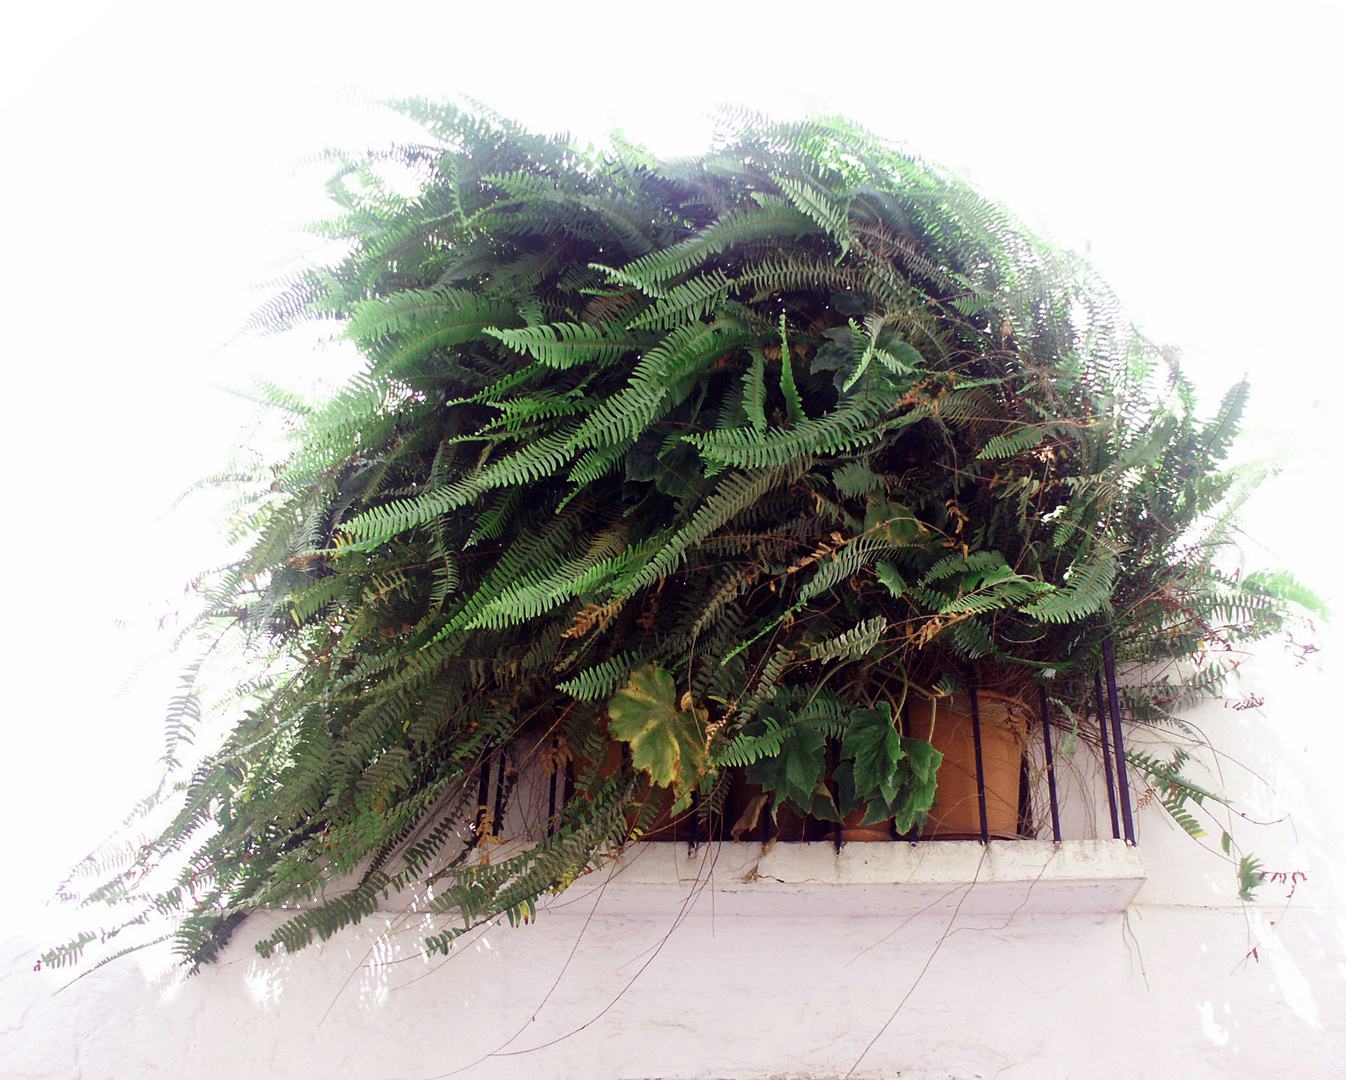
pixel 1051 765
pixel 498 821
pixel 1107 754
pixel 1115 711
pixel 551 791
pixel 833 759
pixel 694 838
pixel 483 797
pixel 626 761
pixel 904 726
pixel 981 771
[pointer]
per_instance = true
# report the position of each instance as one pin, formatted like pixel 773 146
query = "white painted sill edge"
pixel 1004 876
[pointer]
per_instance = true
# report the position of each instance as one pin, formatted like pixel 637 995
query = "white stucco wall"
pixel 1090 961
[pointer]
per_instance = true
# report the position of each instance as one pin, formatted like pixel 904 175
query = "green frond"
pixel 1250 877
pixel 408 326
pixel 683 353
pixel 843 430
pixel 1088 589
pixel 856 478
pixel 1219 433
pixel 326 920
pixel 597 683
pixel 1013 442
pixel 765 686
pixel 794 405
pixel 535 593
pixel 842 565
pixel 564 345
pixel 854 643
pixel 1282 587
pixel 522 466
pixel 717 600
pixel 820 206
pixel 773 272
pixel 754 393
pixel 772 217
pixel 732 495
pixel 695 299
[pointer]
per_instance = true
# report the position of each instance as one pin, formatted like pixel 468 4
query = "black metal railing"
pixel 693 830
pixel 1113 755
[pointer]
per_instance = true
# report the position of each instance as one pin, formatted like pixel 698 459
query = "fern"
pixel 772 217
pixel 1249 877
pixel 845 429
pixel 1088 589
pixel 695 299
pixel 564 345
pixel 754 394
pixel 853 644
pixel 805 421
pixel 598 682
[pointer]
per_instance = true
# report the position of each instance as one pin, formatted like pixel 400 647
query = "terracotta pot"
pixel 955 813
pixel 750 812
pixel 853 831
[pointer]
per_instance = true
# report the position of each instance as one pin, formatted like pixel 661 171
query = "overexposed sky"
pixel 154 174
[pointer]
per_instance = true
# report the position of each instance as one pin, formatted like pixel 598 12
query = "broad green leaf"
pixel 795 772
pixel 894 522
pixel 852 797
pixel 899 356
pixel 920 796
pixel 803 757
pixel 667 741
pixel 837 356
pixel 923 759
pixel 874 744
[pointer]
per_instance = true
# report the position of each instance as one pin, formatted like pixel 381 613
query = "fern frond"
pixel 418 322
pixel 695 299
pixel 853 643
pixel 1088 589
pixel 522 466
pixel 845 429
pixel 598 682
pixel 732 496
pixel 772 217
pixel 564 345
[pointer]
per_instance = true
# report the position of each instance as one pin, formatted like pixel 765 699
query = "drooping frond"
pixel 771 217
pixel 563 345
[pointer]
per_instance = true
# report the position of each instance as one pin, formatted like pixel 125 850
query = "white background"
pixel 153 176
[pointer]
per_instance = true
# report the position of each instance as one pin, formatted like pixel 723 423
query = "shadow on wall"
pixel 594 989
pixel 681 987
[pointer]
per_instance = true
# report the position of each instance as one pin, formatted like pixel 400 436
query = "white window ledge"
pixel 1003 877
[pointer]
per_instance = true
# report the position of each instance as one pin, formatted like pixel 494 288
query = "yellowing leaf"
pixel 667 736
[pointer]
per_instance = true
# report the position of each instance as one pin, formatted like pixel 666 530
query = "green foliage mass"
pixel 722 458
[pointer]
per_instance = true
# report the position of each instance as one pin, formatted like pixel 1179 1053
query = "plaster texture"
pixel 1088 960
pixel 663 967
